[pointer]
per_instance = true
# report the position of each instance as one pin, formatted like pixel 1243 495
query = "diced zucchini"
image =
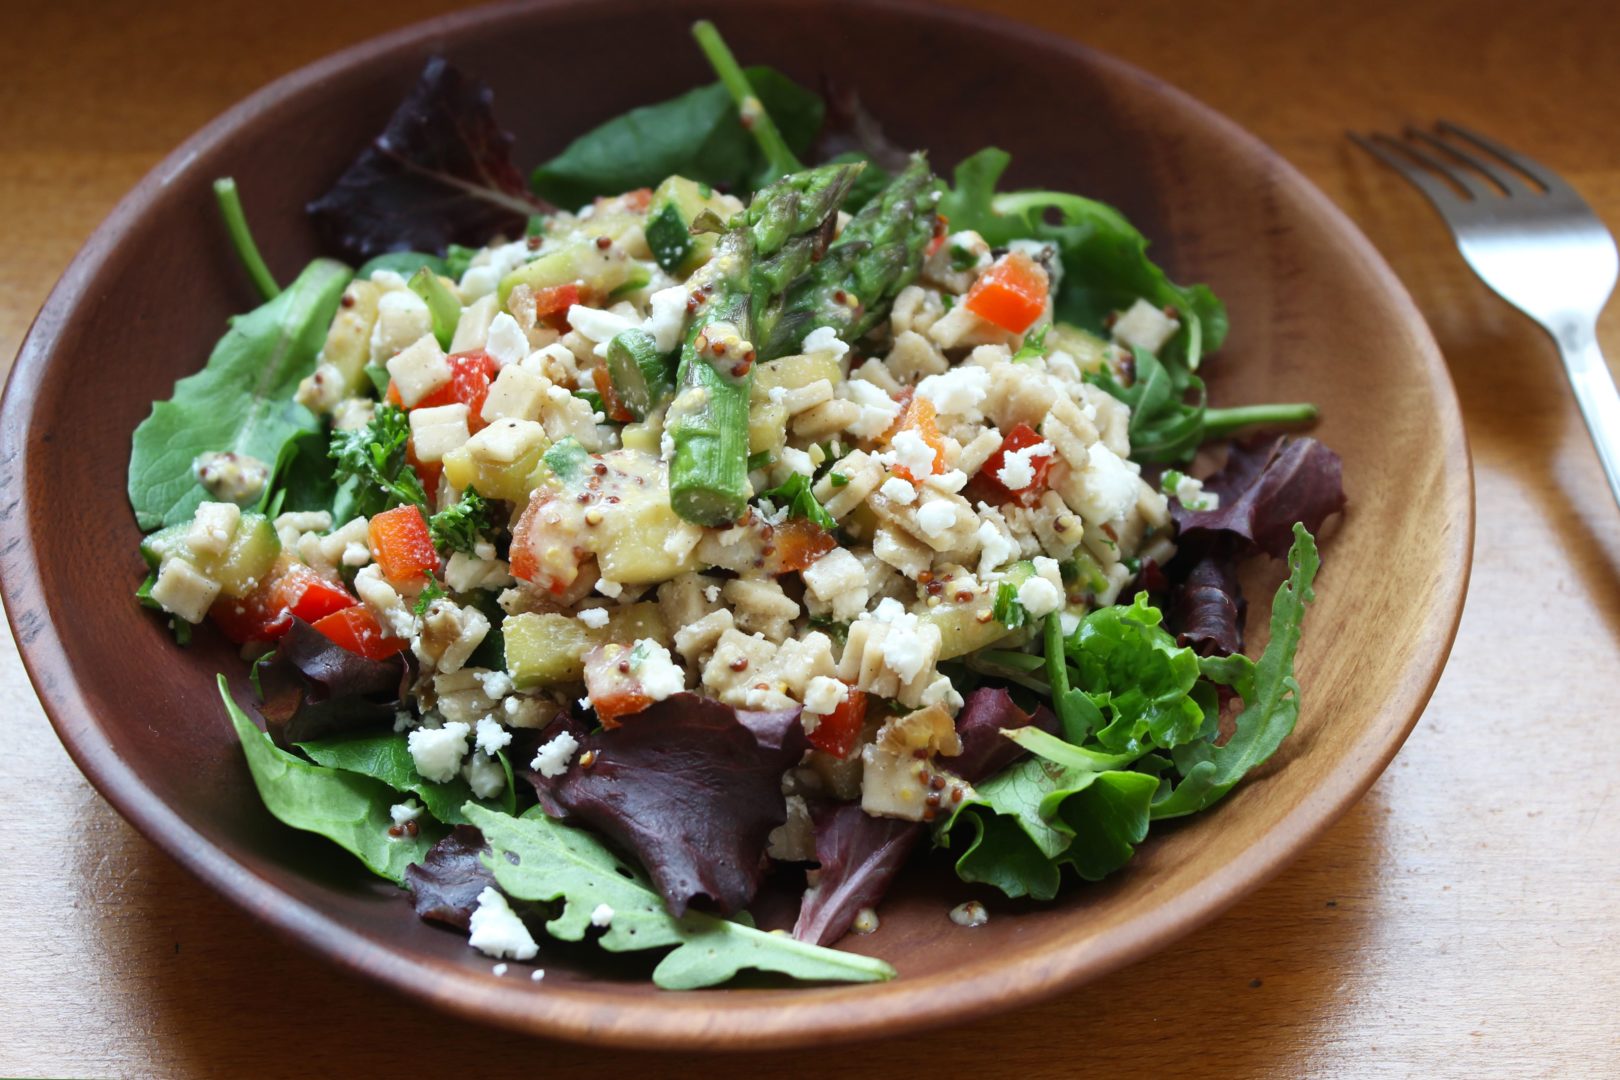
pixel 793 372
pixel 1090 352
pixel 549 650
pixel 159 545
pixel 960 628
pixel 675 203
pixel 640 373
pixel 630 547
pixel 245 563
pixel 767 428
pixel 501 462
pixel 600 271
pixel 348 341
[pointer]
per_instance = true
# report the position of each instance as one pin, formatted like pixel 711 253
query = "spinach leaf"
pixel 241 402
pixel 387 757
pixel 302 479
pixel 696 135
pixel 536 858
pixel 1269 691
pixel 346 808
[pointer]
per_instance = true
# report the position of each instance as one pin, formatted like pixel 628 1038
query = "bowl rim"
pixel 748 1020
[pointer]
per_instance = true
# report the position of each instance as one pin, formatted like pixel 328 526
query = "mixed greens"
pixel 604 570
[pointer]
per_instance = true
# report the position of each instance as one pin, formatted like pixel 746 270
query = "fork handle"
pixel 1595 393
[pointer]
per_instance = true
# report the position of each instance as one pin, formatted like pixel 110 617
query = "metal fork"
pixel 1534 241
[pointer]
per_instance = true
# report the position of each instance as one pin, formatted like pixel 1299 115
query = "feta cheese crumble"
pixel 491 736
pixel 1017 470
pixel 553 757
pixel 497 931
pixel 898 490
pixel 602 915
pixel 595 617
pixel 437 752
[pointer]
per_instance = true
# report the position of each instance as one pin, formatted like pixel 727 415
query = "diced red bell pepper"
pixel 532 535
pixel 470 376
pixel 426 471
pixel 919 416
pixel 355 629
pixel 838 731
pixel 941 229
pixel 266 613
pixel 987 484
pixel 555 300
pixel 1011 293
pixel 613 691
pixel 401 544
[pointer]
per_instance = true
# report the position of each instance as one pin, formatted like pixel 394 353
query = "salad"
pixel 733 506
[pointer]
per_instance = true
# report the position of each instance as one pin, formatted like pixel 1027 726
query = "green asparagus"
pixel 762 253
pixel 879 253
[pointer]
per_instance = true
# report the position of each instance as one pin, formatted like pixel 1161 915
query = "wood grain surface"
pixel 1461 920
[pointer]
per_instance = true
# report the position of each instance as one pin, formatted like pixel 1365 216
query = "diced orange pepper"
pixel 556 300
pixel 1011 293
pixel 612 406
pixel 402 545
pixel 470 376
pixel 795 544
pixel 919 416
pixel 355 629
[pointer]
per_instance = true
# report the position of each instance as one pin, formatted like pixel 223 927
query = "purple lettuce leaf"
pixel 1265 487
pixel 849 128
pixel 1208 608
pixel 860 854
pixel 314 688
pixel 692 787
pixel 441 172
pixel 445 886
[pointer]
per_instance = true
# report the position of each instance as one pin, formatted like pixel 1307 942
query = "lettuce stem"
pixel 230 208
pixel 750 110
pixel 1222 422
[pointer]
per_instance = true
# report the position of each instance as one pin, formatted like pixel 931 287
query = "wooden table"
pixel 1461 920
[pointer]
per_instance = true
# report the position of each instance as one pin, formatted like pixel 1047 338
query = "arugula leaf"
pixel 696 135
pixel 349 809
pixel 373 457
pixel 241 402
pixel 387 757
pixel 1269 691
pixel 536 858
pixel 795 494
pixel 457 527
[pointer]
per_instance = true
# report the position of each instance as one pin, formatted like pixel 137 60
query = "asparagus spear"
pixel 879 253
pixel 740 289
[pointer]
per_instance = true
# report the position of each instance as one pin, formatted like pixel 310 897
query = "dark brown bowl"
pixel 1316 315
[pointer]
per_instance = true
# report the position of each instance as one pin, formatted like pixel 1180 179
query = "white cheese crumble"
pixel 553 757
pixel 594 617
pixel 798 461
pixel 602 915
pixel 823 695
pixel 437 752
pixel 912 452
pixel 491 736
pixel 598 325
pixel 495 684
pixel 824 339
pixel 958 392
pixel 537 974
pixel 1039 597
pixel 485 775
pixel 899 490
pixel 905 649
pixel 878 410
pixel 507 343
pixel 1017 470
pixel 609 588
pixel 936 518
pixel 653 667
pixel 499 969
pixel 666 318
pixel 1110 485
pixel 497 931
pixel 409 810
pixel 970 914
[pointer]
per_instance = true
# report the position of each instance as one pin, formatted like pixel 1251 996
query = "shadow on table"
pixel 1255 993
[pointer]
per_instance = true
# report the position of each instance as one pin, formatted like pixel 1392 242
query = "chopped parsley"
pixel 374 458
pixel 457 527
pixel 795 494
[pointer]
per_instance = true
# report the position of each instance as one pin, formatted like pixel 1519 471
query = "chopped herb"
pixel 837 479
pixel 761 460
pixel 536 225
pixel 962 258
pixel 1034 346
pixel 457 259
pixel 457 527
pixel 1007 610
pixel 795 493
pixel 592 398
pixel 373 457
pixel 948 300
pixel 430 592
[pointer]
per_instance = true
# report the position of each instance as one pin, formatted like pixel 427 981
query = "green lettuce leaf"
pixel 387 757
pixel 349 809
pixel 536 858
pixel 696 135
pixel 1269 691
pixel 1133 671
pixel 241 402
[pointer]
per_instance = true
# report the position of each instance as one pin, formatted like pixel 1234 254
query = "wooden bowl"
pixel 1316 315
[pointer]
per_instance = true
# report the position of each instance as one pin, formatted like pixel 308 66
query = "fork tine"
pixel 1536 171
pixel 1444 199
pixel 1461 177
pixel 1508 181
